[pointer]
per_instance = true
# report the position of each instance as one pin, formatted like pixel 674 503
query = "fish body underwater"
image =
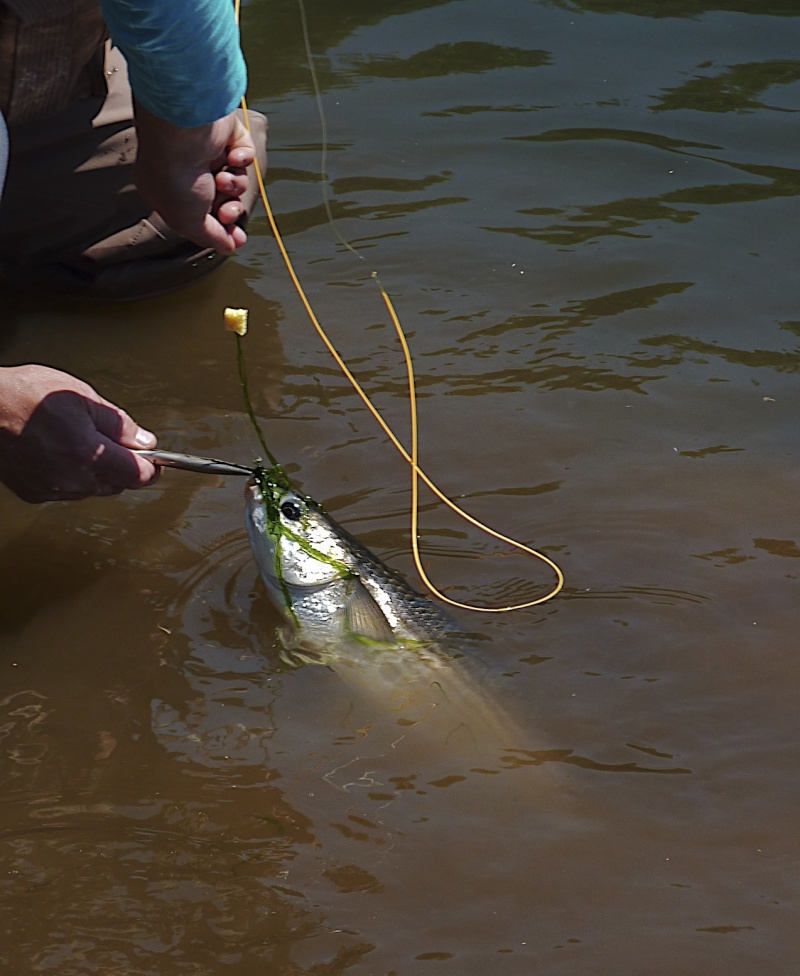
pixel 349 611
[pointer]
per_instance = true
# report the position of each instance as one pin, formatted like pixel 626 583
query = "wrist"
pixel 178 145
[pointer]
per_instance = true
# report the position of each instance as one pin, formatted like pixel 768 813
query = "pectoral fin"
pixel 365 618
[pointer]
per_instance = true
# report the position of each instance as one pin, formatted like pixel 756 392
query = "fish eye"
pixel 292 511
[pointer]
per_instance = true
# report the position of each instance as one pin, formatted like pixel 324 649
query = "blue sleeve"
pixel 184 59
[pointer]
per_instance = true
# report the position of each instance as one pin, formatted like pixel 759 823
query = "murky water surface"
pixel 587 214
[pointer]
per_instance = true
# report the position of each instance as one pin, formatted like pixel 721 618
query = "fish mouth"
pixel 257 528
pixel 254 505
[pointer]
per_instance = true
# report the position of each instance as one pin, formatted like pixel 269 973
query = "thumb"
pixel 131 435
pixel 241 148
pixel 141 437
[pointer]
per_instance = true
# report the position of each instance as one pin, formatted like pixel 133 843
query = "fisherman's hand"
pixel 60 440
pixel 195 177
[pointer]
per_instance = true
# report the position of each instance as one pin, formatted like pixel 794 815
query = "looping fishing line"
pixel 417 474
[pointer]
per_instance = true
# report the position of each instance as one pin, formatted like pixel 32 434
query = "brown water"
pixel 587 214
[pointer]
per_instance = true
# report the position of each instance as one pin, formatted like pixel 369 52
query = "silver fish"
pixel 349 611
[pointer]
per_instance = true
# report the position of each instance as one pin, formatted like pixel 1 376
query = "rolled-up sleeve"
pixel 184 59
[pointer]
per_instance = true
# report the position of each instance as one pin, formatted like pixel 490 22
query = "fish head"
pixel 294 542
pixel 310 568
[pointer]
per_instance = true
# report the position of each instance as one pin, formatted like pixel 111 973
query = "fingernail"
pixel 144 438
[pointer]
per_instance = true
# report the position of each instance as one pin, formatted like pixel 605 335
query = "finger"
pixel 210 233
pixel 241 149
pixel 238 236
pixel 229 211
pixel 228 215
pixel 231 184
pixel 117 466
pixel 218 236
pixel 108 488
pixel 102 488
pixel 242 155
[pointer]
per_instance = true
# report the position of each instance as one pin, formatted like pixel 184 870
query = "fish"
pixel 349 611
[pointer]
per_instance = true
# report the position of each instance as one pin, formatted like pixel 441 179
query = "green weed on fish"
pixel 274 483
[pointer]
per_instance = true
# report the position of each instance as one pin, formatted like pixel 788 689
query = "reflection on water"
pixel 586 214
pixel 464 57
pixel 733 90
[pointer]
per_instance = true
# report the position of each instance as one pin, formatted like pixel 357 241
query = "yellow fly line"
pixel 412 458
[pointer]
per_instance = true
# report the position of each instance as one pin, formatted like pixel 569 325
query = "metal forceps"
pixel 191 462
